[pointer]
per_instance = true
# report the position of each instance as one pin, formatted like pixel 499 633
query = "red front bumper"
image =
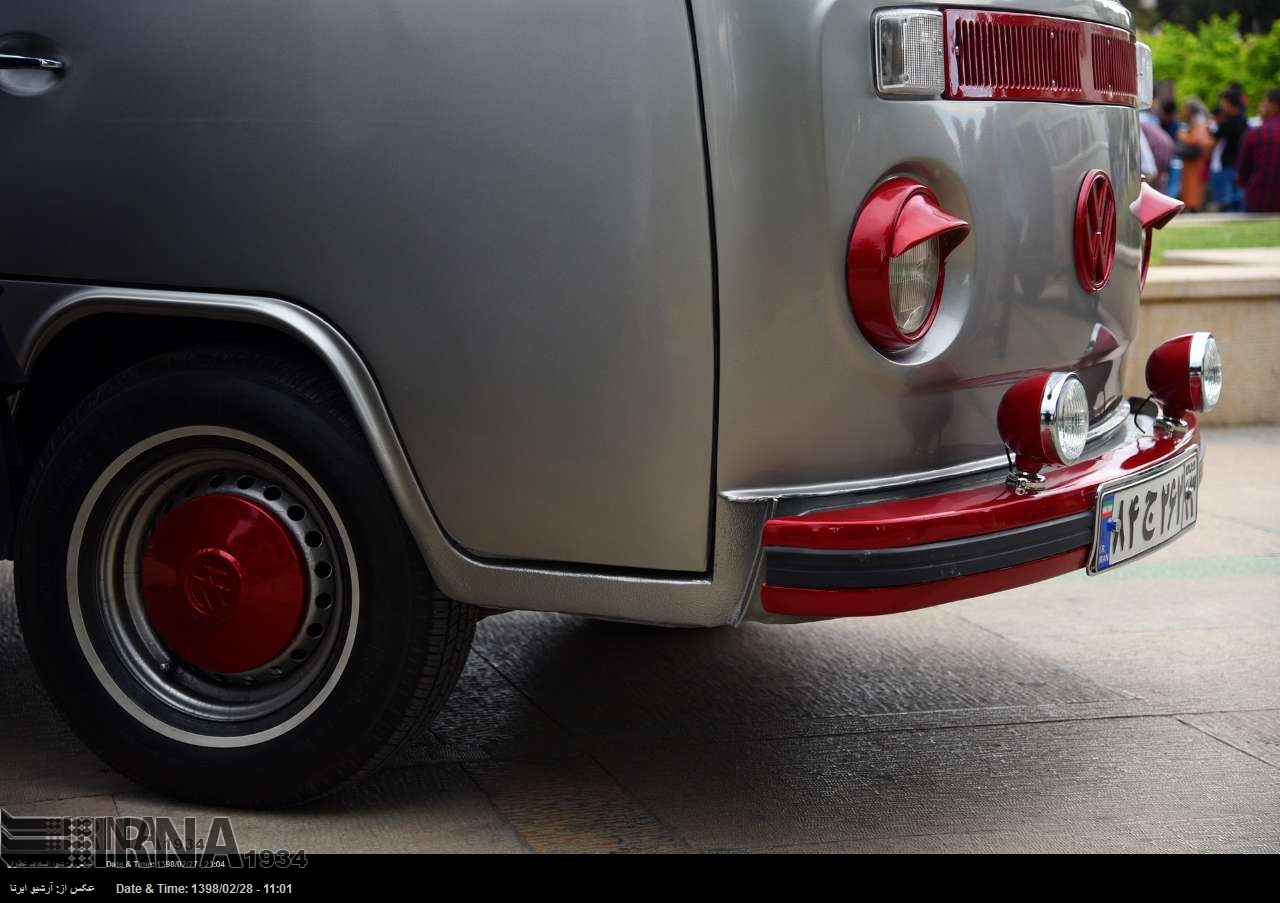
pixel 960 544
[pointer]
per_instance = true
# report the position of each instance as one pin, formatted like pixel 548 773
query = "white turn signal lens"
pixel 909 57
pixel 1146 79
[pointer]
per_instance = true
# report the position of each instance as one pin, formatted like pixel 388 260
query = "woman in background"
pixel 1195 143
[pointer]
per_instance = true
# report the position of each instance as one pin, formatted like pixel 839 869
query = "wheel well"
pixel 95 348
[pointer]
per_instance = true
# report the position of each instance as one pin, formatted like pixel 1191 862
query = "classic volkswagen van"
pixel 337 325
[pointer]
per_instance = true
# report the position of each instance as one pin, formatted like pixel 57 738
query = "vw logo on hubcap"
pixel 212 583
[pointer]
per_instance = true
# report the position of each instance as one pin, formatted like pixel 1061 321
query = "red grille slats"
pixel 1101 69
pixel 1013 56
pixel 1019 56
pixel 1040 62
pixel 1006 56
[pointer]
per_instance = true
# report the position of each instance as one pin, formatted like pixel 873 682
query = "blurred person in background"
pixel 1252 121
pixel 1157 149
pixel 1168 112
pixel 1195 143
pixel 1232 125
pixel 1216 115
pixel 1258 167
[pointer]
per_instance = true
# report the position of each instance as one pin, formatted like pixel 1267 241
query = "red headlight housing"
pixel 895 266
pixel 1044 419
pixel 1154 210
pixel 1185 374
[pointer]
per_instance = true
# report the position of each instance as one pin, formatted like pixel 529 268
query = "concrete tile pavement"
pixel 1063 778
pixel 1136 711
pixel 1229 835
pixel 1254 733
pixel 406 810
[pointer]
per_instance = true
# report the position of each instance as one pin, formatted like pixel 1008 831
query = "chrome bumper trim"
pixel 1099 430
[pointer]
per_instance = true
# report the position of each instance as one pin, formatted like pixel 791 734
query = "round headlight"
pixel 896 262
pixel 1069 427
pixel 1044 419
pixel 1185 374
pixel 913 285
pixel 1207 370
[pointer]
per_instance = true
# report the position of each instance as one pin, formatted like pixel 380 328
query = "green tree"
pixel 1202 63
pixel 1261 63
pixel 1255 15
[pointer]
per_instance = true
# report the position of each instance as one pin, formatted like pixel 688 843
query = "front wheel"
pixel 218 590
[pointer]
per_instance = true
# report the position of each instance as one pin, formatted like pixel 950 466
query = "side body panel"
pixel 502 204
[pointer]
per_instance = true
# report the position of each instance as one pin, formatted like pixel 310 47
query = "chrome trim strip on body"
pixel 657 599
pixel 1108 424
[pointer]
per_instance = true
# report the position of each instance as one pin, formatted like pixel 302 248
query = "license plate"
pixel 1138 514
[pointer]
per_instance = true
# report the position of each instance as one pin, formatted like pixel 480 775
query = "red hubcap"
pixel 224 584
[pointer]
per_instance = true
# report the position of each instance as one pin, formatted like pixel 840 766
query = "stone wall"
pixel 1240 305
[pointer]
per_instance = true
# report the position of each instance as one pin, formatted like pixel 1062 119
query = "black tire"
pixel 211 737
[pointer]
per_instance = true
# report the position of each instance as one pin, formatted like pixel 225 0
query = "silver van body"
pixel 578 264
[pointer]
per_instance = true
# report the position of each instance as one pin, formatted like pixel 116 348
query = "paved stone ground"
pixel 1139 711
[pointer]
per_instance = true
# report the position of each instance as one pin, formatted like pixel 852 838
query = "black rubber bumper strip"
pixel 875 568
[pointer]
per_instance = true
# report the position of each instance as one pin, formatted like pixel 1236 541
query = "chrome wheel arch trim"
pixel 714 599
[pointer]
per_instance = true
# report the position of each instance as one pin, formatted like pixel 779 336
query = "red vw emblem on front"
pixel 1095 231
